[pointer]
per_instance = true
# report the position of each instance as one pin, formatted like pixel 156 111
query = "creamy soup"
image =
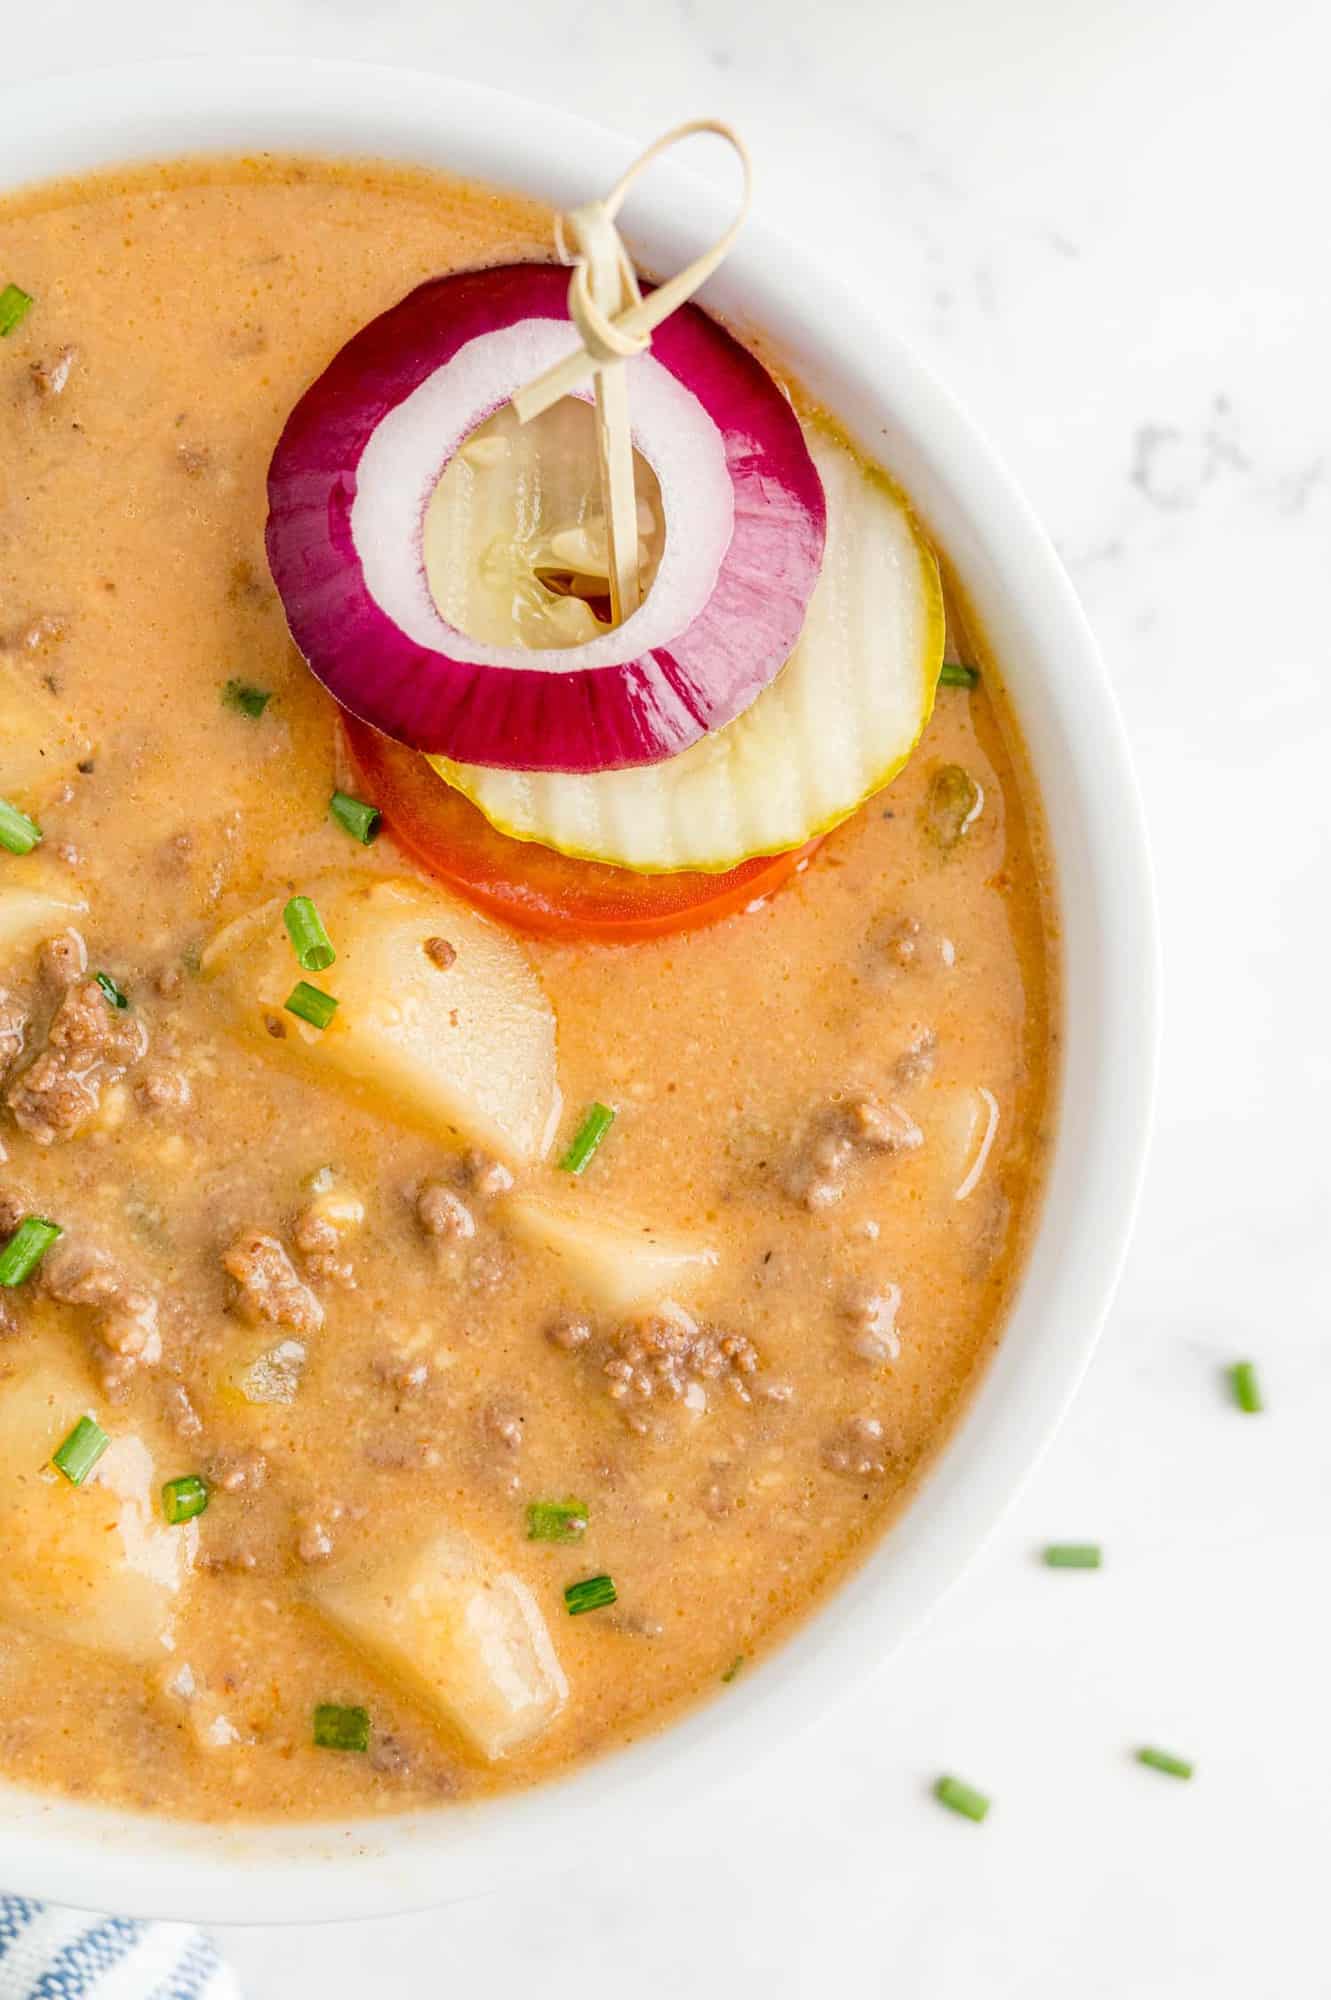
pixel 434 1465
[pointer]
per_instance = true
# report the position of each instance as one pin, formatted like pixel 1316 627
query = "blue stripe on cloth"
pixel 73 1971
pixel 194 1974
pixel 16 1913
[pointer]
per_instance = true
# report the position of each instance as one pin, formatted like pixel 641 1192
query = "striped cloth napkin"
pixel 48 1953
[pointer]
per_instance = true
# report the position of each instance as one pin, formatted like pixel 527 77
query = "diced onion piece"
pixel 962 1124
pixel 273 1376
pixel 833 728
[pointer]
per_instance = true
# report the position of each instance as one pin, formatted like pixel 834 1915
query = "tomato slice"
pixel 531 887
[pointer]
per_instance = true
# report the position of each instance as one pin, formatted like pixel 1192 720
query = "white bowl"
pixel 125 1862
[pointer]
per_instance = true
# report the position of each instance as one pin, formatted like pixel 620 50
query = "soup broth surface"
pixel 733 1452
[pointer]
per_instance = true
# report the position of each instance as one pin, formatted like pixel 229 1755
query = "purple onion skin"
pixel 637 711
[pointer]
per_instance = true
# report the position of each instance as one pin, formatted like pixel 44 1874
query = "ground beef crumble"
pixel 268 1287
pixel 238 1472
pixel 62 960
pixel 568 1331
pixel 13 1028
pixel 870 1315
pixel 89 1043
pixel 501 1423
pixel 858 1449
pixel 666 1357
pixel 485 1175
pixel 849 1129
pixel 320 1234
pixel 917 1059
pixel 443 1214
pixel 35 635
pixel 163 1087
pixel 126 1333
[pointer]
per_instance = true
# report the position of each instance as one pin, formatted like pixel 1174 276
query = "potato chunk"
pixel 32 908
pixel 462 1635
pixel 615 1263
pixel 92 1565
pixel 39 746
pixel 463 1042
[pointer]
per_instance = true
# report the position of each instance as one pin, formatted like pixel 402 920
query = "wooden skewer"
pixel 611 284
pixel 615 322
pixel 614 437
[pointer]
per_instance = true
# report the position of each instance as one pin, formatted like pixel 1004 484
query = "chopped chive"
pixel 556 1521
pixel 308 1003
pixel 362 822
pixel 246 699
pixel 310 941
pixel 1247 1389
pixel 80 1451
pixel 733 1668
pixel 26 1248
pixel 961 1798
pixel 1073 1555
pixel 338 1728
pixel 588 1137
pixel 111 990
pixel 17 832
pixel 183 1498
pixel 15 305
pixel 953 675
pixel 592 1594
pixel 1161 1760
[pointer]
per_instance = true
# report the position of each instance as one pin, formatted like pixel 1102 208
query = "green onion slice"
pixel 309 1003
pixel 1073 1555
pixel 80 1451
pixel 246 699
pixel 310 941
pixel 588 1137
pixel 183 1498
pixel 961 1798
pixel 733 1668
pixel 15 305
pixel 26 1248
pixel 556 1521
pixel 113 993
pixel 1247 1389
pixel 1163 1760
pixel 953 675
pixel 338 1728
pixel 592 1594
pixel 17 832
pixel 362 822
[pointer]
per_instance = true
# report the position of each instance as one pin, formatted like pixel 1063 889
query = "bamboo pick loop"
pixel 614 322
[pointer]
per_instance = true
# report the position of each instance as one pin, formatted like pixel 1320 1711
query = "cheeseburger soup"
pixel 486 1243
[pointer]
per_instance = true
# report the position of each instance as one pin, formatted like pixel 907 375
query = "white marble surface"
pixel 1104 222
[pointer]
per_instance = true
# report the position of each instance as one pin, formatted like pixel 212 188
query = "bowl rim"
pixel 105 1858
